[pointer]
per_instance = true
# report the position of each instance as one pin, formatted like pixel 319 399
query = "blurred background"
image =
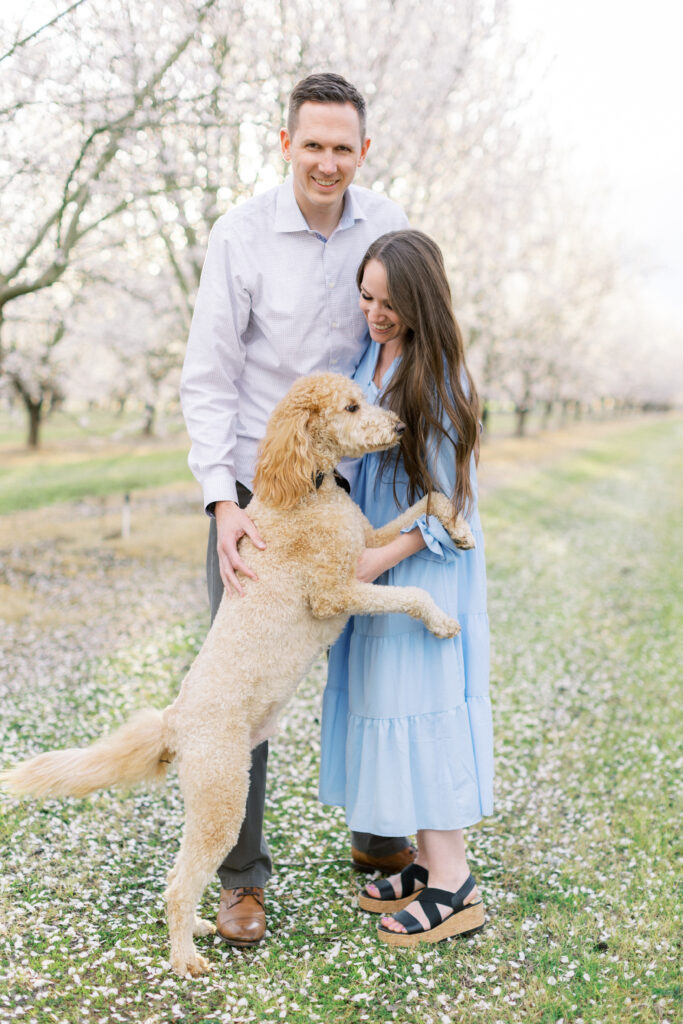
pixel 540 145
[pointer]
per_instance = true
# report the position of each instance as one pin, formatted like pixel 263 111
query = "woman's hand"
pixel 372 563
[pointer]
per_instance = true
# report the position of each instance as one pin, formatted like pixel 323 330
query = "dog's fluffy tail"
pixel 133 753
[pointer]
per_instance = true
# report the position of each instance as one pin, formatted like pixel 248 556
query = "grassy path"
pixel 34 483
pixel 577 866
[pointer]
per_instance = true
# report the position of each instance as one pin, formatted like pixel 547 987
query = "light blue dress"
pixel 406 737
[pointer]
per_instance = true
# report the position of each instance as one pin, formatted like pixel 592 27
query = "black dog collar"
pixel 340 481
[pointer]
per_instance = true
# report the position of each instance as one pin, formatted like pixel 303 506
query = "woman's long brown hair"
pixel 432 376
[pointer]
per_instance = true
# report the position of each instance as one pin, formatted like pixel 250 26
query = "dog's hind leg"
pixel 215 789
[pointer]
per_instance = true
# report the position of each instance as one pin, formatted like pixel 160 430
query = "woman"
pixel 406 730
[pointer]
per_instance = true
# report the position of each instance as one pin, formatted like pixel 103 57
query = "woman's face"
pixel 383 323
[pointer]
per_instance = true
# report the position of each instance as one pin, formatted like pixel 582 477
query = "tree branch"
pixel 48 24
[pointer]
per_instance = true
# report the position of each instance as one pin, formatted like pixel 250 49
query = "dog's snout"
pixel 399 428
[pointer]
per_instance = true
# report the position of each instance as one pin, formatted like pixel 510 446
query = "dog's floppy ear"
pixel 285 466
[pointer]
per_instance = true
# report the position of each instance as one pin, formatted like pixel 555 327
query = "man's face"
pixel 325 152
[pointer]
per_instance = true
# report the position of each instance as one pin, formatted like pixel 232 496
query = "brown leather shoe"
pixel 241 917
pixel 389 865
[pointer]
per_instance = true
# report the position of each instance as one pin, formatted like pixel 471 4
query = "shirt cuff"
pixel 436 538
pixel 218 488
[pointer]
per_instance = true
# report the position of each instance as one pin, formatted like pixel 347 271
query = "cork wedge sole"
pixel 469 919
pixel 385 906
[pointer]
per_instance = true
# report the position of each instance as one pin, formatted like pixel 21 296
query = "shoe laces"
pixel 239 892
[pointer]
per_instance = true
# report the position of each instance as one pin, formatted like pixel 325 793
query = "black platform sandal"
pixel 387 902
pixel 466 917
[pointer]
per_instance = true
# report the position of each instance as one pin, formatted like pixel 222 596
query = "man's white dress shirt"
pixel 275 302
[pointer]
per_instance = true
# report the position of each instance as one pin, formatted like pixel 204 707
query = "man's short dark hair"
pixel 324 88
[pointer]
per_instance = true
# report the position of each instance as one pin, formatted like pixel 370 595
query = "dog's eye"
pixel 353 407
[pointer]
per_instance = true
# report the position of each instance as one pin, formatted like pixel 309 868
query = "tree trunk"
pixel 35 417
pixel 34 410
pixel 485 414
pixel 150 413
pixel 521 411
pixel 547 413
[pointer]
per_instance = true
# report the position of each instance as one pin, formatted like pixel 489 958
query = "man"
pixel 277 300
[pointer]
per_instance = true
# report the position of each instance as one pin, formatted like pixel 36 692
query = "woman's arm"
pixel 374 561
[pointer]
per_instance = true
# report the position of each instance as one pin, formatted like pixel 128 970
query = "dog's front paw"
pixel 456 526
pixel 444 627
pixel 461 535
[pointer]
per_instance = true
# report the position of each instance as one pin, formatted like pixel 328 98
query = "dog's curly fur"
pixel 260 645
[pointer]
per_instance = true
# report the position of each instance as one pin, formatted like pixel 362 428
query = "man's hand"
pixel 232 522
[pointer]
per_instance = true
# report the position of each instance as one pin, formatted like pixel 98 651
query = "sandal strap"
pixel 428 899
pixel 456 900
pixel 409 875
pixel 411 924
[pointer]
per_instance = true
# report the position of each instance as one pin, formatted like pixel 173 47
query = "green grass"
pixel 578 866
pixel 36 484
pixel 67 466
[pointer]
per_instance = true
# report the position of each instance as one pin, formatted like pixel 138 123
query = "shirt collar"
pixel 351 212
pixel 372 366
pixel 288 216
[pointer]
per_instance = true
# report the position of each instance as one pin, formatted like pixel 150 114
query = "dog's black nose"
pixel 400 428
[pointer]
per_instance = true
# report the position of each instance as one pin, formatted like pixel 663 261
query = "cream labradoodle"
pixel 261 645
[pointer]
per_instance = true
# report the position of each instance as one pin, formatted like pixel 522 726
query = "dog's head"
pixel 321 419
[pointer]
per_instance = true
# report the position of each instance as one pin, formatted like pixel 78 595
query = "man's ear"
pixel 363 151
pixel 286 144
